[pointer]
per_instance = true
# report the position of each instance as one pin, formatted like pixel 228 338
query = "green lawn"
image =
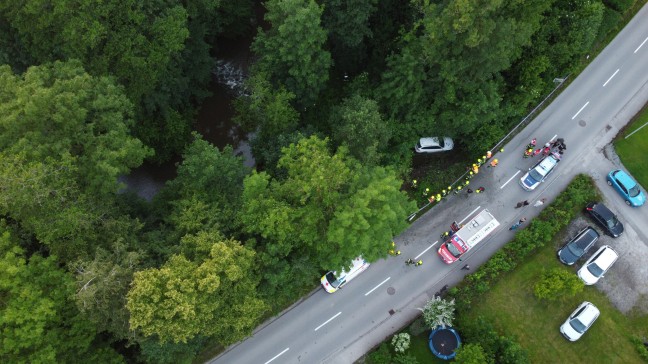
pixel 633 150
pixel 515 311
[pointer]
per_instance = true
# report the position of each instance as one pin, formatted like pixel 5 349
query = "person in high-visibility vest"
pixel 475 169
pixel 494 162
pixel 444 193
pixel 438 197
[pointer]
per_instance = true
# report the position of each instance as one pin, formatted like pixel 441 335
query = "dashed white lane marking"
pixel 428 248
pixel 509 180
pixel 581 109
pixel 276 356
pixel 373 289
pixel 329 320
pixel 608 80
pixel 642 43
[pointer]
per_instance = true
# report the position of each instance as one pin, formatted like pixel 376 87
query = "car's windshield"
pixel 612 222
pixel 441 142
pixel 577 325
pixel 330 277
pixel 595 269
pixel 634 191
pixel 453 249
pixel 575 249
pixel 418 145
pixel 535 175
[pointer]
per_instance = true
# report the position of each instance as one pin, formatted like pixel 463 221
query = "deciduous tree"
pixel 38 321
pixel 215 296
pixel 291 51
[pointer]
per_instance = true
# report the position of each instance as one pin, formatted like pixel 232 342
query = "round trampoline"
pixel 443 342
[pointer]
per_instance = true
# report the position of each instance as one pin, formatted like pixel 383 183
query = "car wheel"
pixel 609 183
pixel 627 202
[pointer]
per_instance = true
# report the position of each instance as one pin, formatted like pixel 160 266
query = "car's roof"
pixel 585 237
pixel 546 164
pixel 602 210
pixel 605 256
pixel 426 142
pixel 589 314
pixel 624 178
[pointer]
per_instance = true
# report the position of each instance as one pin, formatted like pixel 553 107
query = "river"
pixel 214 119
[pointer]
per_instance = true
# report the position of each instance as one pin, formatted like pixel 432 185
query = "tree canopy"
pixel 215 296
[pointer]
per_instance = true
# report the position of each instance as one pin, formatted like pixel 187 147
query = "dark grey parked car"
pixel 578 246
pixel 606 218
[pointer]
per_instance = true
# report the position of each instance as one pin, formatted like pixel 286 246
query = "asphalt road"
pixel 341 327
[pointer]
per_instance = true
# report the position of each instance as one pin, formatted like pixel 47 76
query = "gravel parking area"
pixel 626 283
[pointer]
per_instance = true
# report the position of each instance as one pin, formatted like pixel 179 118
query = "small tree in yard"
pixel 438 312
pixel 401 342
pixel 557 283
pixel 471 354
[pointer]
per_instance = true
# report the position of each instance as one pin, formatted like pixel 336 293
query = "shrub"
pixel 556 283
pixel 401 342
pixel 497 348
pixel 641 348
pixel 438 312
pixel 471 354
pixel 381 356
pixel 405 359
pixel 619 5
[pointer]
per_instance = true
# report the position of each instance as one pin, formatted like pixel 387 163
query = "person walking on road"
pixel 539 202
pixel 522 203
pixel 465 267
pixel 517 224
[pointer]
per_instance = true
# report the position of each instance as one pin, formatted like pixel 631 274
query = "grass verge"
pixel 633 150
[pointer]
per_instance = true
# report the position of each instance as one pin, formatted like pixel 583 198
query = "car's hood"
pixel 566 256
pixel 618 229
pixel 448 143
pixel 587 277
pixel 529 181
pixel 638 200
pixel 569 332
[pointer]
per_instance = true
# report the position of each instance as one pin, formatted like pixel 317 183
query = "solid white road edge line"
pixel 276 356
pixel 509 180
pixel 581 109
pixel 614 74
pixel 380 284
pixel 329 320
pixel 428 248
pixel 642 43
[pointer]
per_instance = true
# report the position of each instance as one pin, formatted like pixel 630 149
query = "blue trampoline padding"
pixel 444 342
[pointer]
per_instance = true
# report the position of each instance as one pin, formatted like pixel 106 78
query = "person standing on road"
pixel 539 202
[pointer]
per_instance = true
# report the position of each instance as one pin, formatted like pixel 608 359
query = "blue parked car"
pixel 627 187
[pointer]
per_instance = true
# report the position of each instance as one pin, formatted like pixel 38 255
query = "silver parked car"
pixel 434 145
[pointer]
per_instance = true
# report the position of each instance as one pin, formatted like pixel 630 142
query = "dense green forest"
pixel 337 97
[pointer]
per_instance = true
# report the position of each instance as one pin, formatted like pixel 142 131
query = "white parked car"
pixel 433 145
pixel 597 265
pixel 579 321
